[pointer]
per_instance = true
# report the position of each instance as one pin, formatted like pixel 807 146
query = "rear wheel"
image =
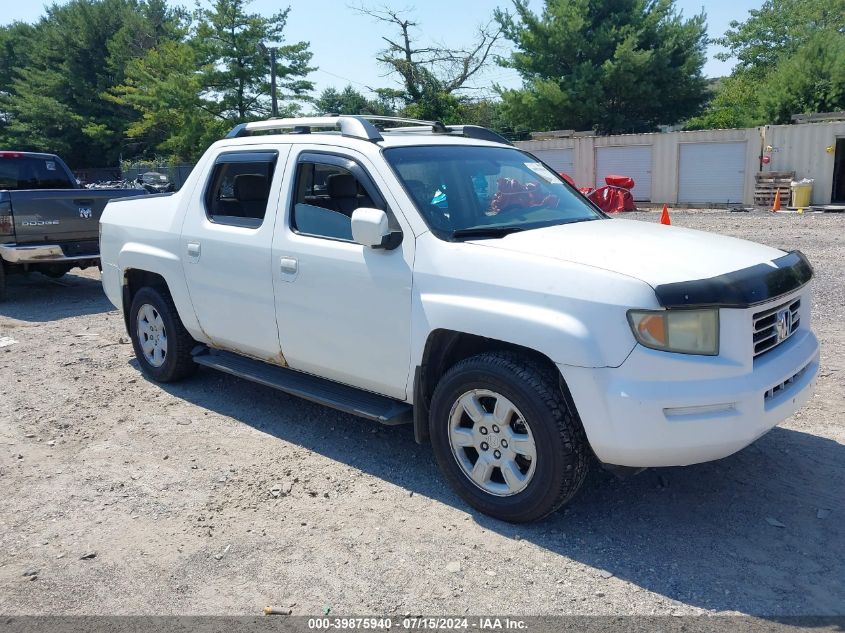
pixel 162 344
pixel 2 281
pixel 507 438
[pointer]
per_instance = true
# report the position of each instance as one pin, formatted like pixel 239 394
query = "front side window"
pixel 464 191
pixel 326 196
pixel 239 189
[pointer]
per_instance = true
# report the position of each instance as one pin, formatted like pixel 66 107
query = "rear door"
pixel 226 243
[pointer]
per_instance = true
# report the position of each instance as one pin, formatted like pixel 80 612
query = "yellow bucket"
pixel 801 195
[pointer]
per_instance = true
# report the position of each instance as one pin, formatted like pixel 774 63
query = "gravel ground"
pixel 217 496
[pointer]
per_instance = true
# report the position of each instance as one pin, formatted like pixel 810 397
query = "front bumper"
pixel 661 409
pixel 41 254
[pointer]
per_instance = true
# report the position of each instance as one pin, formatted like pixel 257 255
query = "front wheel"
pixel 162 344
pixel 507 438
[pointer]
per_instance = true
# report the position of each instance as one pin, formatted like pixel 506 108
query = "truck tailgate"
pixel 61 215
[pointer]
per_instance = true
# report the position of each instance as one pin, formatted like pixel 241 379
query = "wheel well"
pixel 133 281
pixel 445 348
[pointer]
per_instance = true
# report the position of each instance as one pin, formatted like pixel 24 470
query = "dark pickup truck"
pixel 48 223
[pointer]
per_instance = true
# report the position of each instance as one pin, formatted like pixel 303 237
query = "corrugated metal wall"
pixel 665 157
pixel 803 149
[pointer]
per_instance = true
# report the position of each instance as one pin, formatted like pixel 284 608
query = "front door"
pixel 226 246
pixel 343 309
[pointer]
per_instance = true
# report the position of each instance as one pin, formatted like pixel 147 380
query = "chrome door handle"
pixel 288 266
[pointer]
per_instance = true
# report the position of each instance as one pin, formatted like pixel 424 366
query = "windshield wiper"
pixel 486 231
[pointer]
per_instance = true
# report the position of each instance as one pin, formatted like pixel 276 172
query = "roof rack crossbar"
pixel 480 133
pixel 352 126
pixel 467 131
pixel 436 126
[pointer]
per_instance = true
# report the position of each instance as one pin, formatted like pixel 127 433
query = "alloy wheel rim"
pixel 492 443
pixel 152 335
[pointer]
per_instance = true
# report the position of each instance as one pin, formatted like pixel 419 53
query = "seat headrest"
pixel 251 187
pixel 342 186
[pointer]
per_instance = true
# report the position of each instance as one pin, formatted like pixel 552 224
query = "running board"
pixel 326 392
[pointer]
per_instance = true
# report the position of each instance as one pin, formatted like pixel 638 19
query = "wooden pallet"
pixel 768 183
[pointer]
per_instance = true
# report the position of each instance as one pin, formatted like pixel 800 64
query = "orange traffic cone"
pixel 776 205
pixel 664 217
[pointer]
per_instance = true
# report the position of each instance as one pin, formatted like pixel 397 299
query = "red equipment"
pixel 567 178
pixel 615 196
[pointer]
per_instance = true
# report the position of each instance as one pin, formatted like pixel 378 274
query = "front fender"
pixel 572 313
pixel 555 334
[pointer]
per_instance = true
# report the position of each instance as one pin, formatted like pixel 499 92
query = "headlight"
pixel 682 331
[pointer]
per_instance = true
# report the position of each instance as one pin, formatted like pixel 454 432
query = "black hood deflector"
pixel 741 288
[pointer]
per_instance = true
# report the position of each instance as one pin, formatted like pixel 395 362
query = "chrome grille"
pixel 768 333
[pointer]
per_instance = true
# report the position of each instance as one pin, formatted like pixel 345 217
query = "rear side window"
pixel 239 188
pixel 33 173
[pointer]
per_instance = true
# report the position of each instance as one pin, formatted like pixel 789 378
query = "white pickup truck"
pixel 437 275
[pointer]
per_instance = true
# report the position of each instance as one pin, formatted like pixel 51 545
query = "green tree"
pixel 57 98
pixel 16 42
pixel 236 71
pixel 735 103
pixel 811 80
pixel 789 60
pixel 165 87
pixel 608 65
pixel 349 101
pixel 776 31
pixel 212 75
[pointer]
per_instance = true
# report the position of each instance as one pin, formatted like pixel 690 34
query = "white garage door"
pixel 632 161
pixel 711 172
pixel 558 159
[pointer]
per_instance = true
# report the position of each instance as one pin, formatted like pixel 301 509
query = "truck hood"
pixel 654 253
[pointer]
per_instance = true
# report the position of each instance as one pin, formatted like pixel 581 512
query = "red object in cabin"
pixel 515 195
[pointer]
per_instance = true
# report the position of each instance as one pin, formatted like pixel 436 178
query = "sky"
pixel 345 43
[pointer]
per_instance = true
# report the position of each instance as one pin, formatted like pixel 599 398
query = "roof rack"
pixel 352 126
pixel 365 127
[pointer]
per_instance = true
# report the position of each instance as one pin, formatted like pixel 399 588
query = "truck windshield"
pixel 464 191
pixel 27 172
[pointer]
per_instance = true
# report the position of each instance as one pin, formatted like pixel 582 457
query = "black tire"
pixel 54 274
pixel 2 281
pixel 562 450
pixel 178 362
